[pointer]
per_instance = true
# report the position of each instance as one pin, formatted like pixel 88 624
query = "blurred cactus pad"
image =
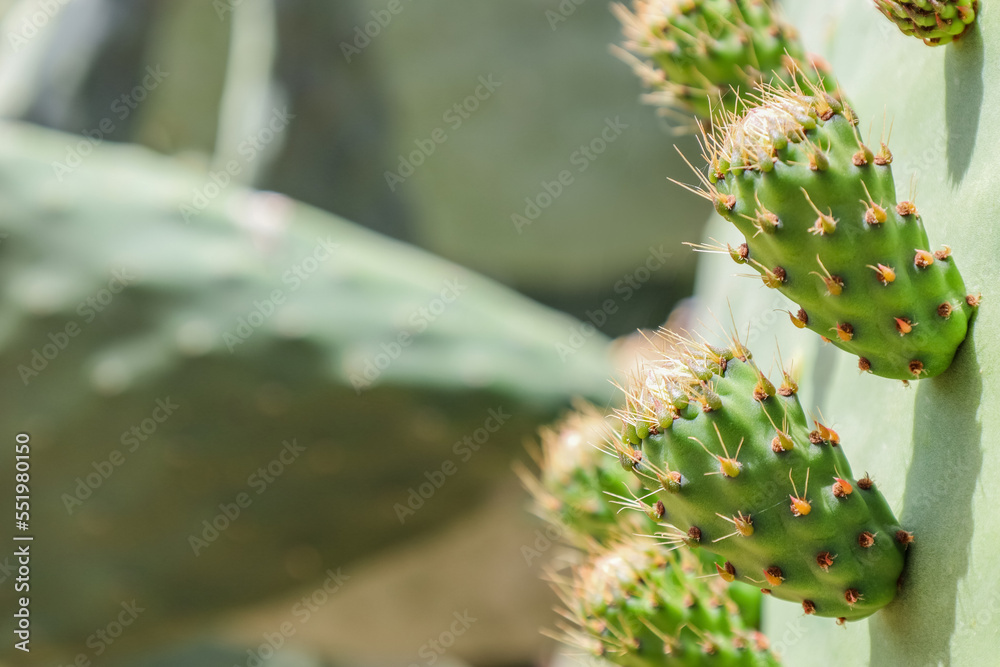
pixel 929 446
pixel 268 375
pixel 934 21
pixel 702 56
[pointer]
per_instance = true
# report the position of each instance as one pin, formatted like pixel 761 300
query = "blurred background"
pixel 285 287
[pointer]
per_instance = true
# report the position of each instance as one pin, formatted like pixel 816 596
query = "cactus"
pixel 819 213
pixel 934 21
pixel 741 474
pixel 637 605
pixel 582 485
pixel 934 446
pixel 699 55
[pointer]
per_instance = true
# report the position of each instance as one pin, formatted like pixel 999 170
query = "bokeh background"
pixel 243 350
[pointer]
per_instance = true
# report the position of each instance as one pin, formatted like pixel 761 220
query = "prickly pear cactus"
pixel 638 605
pixel 822 224
pixel 932 448
pixel 742 475
pixel 934 21
pixel 696 55
pixel 582 485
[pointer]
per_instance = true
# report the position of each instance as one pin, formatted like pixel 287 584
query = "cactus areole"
pixel 822 224
pixel 770 494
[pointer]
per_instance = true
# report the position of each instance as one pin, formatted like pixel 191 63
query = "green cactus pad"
pixel 582 486
pixel 741 475
pixel 637 605
pixel 822 224
pixel 700 55
pixel 934 21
